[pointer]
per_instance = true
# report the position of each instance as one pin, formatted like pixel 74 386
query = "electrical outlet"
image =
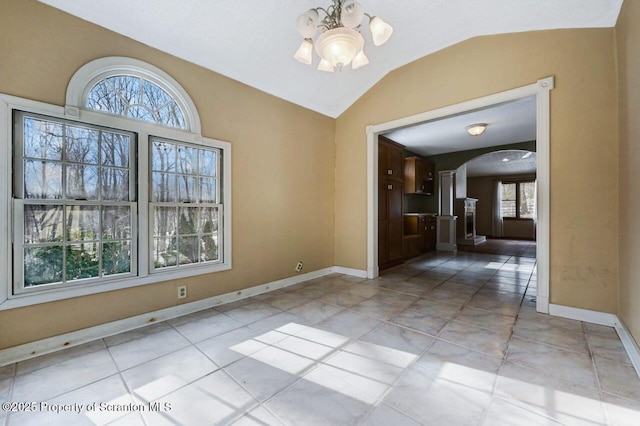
pixel 299 267
pixel 182 291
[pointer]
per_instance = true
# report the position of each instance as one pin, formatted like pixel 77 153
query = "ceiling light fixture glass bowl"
pixel 476 129
pixel 339 46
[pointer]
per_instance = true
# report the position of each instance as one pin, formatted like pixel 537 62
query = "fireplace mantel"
pixel 467 226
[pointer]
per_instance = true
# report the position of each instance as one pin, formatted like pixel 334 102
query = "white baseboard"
pixel 629 344
pixel 602 318
pixel 350 271
pixel 594 317
pixel 75 338
pixel 373 272
pixel 542 303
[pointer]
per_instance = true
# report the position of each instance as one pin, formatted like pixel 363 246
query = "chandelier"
pixel 339 44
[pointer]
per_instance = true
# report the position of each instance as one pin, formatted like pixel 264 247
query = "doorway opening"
pixel 541 92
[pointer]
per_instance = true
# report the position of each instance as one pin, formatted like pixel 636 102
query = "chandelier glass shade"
pixel 339 46
pixel 340 42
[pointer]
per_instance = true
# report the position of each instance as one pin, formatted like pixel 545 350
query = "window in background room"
pixel 508 199
pixel 518 200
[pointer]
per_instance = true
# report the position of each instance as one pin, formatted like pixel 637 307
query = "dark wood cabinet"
pixel 418 176
pixel 419 234
pixel 390 191
pixel 411 246
pixel 416 225
pixel 390 159
pixel 390 225
pixel 430 237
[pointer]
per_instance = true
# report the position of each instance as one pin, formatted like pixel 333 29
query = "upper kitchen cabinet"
pixel 418 176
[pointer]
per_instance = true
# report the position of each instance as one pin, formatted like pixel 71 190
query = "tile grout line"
pixel 124 382
pixel 498 375
pixel 14 374
pixel 299 378
pixel 191 344
pixel 231 376
pixel 404 372
pixel 605 414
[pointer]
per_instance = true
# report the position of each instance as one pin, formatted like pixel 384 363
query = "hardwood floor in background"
pixel 521 248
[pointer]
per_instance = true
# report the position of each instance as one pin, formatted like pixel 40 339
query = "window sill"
pixel 54 294
pixel 517 219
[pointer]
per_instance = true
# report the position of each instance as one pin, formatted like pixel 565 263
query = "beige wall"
pixel 482 189
pixel 283 172
pixel 584 144
pixel 628 40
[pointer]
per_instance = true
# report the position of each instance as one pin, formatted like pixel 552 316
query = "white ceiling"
pixel 253 41
pixel 507 123
pixel 510 122
pixel 494 164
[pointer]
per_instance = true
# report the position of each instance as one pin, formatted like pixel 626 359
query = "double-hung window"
pixel 184 202
pixel 115 190
pixel 518 200
pixel 74 199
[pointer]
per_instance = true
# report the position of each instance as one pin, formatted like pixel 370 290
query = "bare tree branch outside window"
pixel 185 204
pixel 137 98
pixel 77 204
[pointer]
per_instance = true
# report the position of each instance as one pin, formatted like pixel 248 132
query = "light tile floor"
pixel 445 340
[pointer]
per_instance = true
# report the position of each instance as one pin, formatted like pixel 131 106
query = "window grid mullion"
pixel 65 172
pixel 517 199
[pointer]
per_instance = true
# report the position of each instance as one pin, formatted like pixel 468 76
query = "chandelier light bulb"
pixel 380 30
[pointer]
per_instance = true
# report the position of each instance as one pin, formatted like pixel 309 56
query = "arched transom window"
pixel 135 97
pixel 133 89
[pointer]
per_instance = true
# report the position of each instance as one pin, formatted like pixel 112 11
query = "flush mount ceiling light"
pixel 476 129
pixel 340 43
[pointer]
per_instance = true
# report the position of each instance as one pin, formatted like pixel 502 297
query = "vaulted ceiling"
pixel 253 41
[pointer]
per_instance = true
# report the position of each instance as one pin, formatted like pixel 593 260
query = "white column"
pixel 446 192
pixel 446 232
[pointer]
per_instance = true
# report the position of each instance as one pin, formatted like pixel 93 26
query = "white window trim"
pixel 221 217
pixel 144 130
pixel 89 74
